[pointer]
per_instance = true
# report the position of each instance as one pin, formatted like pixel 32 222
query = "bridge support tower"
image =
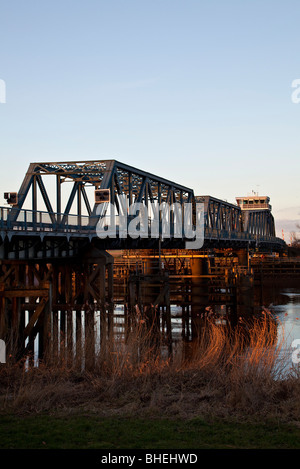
pixel 199 292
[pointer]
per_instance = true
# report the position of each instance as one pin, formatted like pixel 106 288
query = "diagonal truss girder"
pixel 119 178
pixel 222 219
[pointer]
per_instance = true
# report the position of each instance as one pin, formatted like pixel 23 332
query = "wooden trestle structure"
pixel 55 308
pixel 46 303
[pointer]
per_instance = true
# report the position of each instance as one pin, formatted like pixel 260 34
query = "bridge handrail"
pixel 30 220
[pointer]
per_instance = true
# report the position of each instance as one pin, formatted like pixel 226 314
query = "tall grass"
pixel 224 371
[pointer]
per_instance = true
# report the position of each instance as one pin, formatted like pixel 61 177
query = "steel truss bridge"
pixel 56 211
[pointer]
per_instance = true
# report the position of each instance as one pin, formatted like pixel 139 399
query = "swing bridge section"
pixel 60 206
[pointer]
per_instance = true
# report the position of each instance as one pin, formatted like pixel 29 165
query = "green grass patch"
pixel 94 432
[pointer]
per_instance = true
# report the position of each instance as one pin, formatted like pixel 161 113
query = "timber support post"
pixel 199 292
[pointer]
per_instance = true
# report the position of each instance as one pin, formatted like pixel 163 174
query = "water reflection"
pixel 282 302
pixel 282 299
pixel 284 305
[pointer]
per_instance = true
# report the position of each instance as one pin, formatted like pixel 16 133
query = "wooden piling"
pixel 199 292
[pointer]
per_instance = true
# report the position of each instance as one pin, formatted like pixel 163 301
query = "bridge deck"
pixel 40 224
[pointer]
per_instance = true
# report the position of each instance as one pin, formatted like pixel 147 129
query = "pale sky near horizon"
pixel 198 92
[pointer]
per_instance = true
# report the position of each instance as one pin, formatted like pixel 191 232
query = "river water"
pixel 282 301
pixel 286 309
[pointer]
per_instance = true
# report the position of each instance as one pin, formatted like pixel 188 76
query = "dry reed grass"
pixel 224 373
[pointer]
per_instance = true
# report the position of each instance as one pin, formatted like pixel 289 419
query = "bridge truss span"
pixel 61 200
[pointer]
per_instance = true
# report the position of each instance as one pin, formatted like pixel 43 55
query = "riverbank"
pixel 224 385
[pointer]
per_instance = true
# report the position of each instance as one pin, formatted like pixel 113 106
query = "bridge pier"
pixel 243 257
pixel 151 290
pixel 149 301
pixel 199 292
pixel 97 296
pixel 244 296
pixel 244 288
pixel 45 305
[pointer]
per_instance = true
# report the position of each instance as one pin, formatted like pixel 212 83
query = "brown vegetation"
pixel 225 374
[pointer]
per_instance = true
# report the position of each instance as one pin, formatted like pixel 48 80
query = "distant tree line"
pixel 295 240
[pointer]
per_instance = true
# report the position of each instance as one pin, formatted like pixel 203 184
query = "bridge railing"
pixel 242 236
pixel 29 220
pixel 226 234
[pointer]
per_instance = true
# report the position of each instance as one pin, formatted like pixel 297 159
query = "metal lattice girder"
pixel 221 217
pixel 259 223
pixel 119 178
pixel 75 211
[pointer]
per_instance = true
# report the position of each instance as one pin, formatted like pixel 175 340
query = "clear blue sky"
pixel 196 91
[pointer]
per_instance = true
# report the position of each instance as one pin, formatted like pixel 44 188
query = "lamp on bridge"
pixel 11 198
